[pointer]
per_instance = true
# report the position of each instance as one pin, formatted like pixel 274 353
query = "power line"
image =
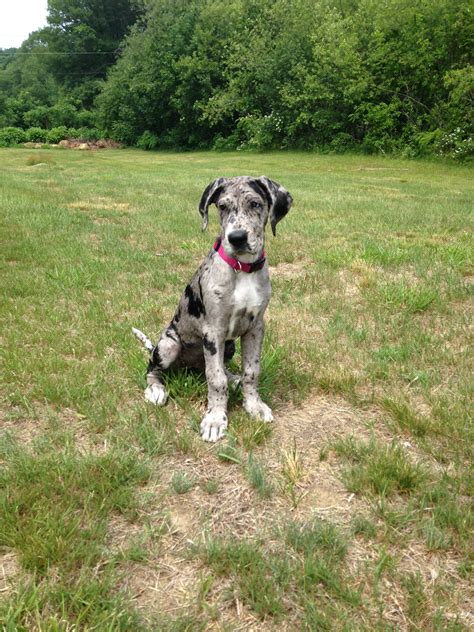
pixel 99 52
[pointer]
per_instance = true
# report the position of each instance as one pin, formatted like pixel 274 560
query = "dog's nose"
pixel 238 238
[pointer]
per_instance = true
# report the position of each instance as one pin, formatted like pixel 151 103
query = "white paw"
pixel 213 425
pixel 156 394
pixel 258 409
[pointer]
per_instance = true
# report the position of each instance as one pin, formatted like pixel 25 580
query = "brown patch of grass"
pixel 44 422
pixel 293 270
pixel 40 160
pixel 101 204
pixel 10 571
pixel 165 586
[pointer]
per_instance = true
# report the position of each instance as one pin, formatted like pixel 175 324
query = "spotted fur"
pixel 220 304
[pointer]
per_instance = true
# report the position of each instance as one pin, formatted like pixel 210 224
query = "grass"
pixel 366 365
pixel 181 483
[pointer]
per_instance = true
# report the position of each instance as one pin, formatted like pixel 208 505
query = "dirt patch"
pixel 43 421
pixel 290 270
pixel 166 585
pixel 10 571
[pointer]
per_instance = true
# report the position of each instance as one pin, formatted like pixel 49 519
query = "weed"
pixel 416 599
pixel 181 483
pixel 407 419
pixel 292 472
pixel 40 159
pixel 258 477
pixel 211 486
pixel 363 526
pixel 254 571
pixel 249 433
pixel 230 452
pixel 380 469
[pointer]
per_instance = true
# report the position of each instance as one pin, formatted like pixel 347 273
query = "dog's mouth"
pixel 246 252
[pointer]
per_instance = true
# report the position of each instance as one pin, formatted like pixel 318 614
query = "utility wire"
pixel 99 52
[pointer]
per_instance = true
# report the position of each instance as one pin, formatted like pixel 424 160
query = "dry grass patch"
pixel 293 270
pixel 101 204
pixel 10 572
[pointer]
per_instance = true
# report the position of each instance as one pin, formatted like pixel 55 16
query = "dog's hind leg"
pixel 162 357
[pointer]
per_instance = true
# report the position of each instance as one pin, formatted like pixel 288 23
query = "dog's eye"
pixel 255 204
pixel 222 206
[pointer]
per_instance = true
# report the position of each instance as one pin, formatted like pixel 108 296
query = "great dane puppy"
pixel 225 299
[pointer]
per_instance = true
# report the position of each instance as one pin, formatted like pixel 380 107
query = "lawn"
pixel 352 511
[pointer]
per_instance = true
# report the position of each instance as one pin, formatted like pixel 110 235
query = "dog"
pixel 225 299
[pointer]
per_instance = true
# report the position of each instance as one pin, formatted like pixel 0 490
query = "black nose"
pixel 238 238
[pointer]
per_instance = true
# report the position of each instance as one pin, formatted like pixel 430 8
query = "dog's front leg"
pixel 214 422
pixel 251 344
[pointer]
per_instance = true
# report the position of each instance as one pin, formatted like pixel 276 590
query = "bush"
pixel 39 116
pixel 36 135
pixel 10 136
pixel 342 142
pixel 89 133
pixel 457 144
pixel 426 143
pixel 57 134
pixel 259 132
pixel 63 114
pixel 147 141
pixel 123 132
pixel 230 143
pixel 84 133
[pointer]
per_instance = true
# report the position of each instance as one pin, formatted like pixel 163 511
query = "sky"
pixel 18 18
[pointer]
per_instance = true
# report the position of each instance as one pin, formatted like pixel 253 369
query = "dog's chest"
pixel 248 301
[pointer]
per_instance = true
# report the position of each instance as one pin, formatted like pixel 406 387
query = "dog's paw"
pixel 258 409
pixel 213 425
pixel 156 394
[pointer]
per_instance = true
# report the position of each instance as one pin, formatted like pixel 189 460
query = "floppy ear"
pixel 209 196
pixel 279 200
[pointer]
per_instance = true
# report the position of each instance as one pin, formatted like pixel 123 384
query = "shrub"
pixel 36 135
pixel 123 133
pixel 37 117
pixel 10 136
pixel 89 133
pixel 63 114
pixel 426 143
pixel 228 143
pixel 342 142
pixel 147 141
pixel 57 134
pixel 84 133
pixel 458 144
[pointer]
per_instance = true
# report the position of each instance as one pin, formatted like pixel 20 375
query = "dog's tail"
pixel 146 342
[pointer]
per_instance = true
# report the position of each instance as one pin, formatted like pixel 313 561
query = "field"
pixel 352 511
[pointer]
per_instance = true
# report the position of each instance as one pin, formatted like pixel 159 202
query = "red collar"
pixel 238 266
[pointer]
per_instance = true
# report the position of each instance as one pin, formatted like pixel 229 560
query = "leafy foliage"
pixel 255 74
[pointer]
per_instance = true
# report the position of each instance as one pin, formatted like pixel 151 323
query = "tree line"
pixel 370 75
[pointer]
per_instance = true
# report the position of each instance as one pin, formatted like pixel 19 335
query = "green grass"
pixel 372 302
pixel 181 483
pixel 258 478
pixel 310 572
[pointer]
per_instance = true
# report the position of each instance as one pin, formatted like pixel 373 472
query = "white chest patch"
pixel 247 302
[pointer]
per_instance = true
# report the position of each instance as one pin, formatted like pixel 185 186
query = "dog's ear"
pixel 209 196
pixel 279 200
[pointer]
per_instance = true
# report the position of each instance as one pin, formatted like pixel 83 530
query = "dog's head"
pixel 245 204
